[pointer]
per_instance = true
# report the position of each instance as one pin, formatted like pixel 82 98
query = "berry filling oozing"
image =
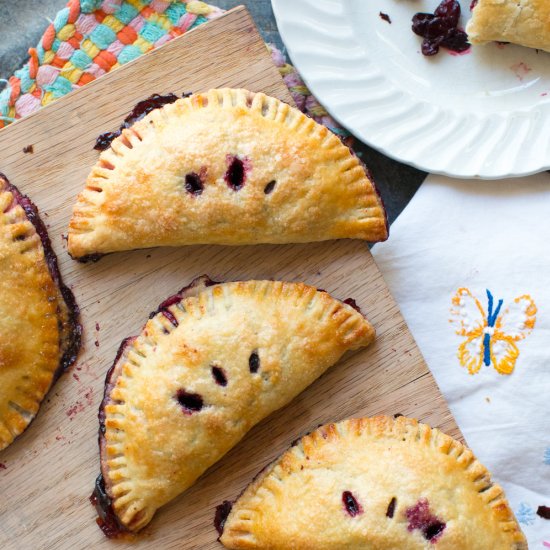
pixel 440 29
pixel 170 316
pixel 222 512
pixel 106 520
pixel 143 108
pixel 351 302
pixel 421 518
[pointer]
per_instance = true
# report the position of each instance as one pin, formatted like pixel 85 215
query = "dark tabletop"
pixel 23 22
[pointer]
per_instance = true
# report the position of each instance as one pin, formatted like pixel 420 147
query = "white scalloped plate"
pixel 484 114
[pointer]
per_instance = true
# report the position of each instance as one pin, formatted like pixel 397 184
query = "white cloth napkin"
pixel 484 236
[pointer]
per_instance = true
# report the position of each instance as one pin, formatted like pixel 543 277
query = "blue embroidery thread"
pixel 491 320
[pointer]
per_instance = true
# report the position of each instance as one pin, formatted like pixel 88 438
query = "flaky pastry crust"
pixel 374 483
pixel 224 167
pixel 39 330
pixel 205 369
pixel 523 22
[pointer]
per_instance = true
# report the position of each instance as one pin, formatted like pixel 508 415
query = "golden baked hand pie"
pixel 224 167
pixel 526 23
pixel 372 483
pixel 210 364
pixel 39 329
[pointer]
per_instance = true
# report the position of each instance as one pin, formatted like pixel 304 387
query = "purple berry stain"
pixel 421 518
pixel 352 506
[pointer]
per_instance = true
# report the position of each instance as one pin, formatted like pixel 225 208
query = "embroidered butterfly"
pixel 491 335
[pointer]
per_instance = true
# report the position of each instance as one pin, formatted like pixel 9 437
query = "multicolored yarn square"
pixel 89 38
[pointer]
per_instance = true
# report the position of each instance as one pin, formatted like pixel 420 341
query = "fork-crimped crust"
pixel 167 180
pixel 208 366
pixel 374 483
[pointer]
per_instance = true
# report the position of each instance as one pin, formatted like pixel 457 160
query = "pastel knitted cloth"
pixel 89 38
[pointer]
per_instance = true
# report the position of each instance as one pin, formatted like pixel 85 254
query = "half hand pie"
pixel 372 483
pixel 225 167
pixel 526 23
pixel 39 330
pixel 210 364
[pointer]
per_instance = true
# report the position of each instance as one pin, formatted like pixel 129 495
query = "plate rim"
pixel 281 12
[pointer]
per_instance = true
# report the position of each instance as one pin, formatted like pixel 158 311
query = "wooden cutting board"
pixel 50 470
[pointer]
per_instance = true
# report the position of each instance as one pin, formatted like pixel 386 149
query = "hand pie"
pixel 526 23
pixel 39 330
pixel 372 483
pixel 210 364
pixel 225 167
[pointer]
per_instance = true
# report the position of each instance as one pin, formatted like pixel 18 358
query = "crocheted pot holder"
pixel 89 38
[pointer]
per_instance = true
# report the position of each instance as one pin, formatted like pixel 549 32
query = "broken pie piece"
pixel 370 483
pixel 39 329
pixel 224 167
pixel 211 363
pixel 526 23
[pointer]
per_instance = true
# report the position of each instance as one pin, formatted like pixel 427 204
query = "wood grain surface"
pixel 47 475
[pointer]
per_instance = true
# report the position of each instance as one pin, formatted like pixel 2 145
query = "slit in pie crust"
pixel 212 362
pixel 372 483
pixel 39 328
pixel 225 167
